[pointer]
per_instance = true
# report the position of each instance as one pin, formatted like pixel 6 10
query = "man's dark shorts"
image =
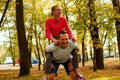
pixel 56 66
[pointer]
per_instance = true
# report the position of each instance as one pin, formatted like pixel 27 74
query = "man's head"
pixel 63 39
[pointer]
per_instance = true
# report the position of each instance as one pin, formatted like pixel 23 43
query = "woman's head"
pixel 56 11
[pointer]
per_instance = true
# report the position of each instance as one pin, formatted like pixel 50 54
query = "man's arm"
pixel 50 48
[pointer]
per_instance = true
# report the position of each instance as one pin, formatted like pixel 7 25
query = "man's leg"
pixel 72 72
pixel 53 71
pixel 52 76
pixel 69 69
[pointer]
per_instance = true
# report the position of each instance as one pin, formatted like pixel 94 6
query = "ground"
pixel 111 72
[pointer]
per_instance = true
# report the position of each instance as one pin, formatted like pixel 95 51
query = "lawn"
pixel 111 72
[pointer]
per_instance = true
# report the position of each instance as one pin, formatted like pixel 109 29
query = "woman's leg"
pixel 75 58
pixel 49 57
pixel 75 63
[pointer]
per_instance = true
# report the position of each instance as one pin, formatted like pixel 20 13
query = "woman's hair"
pixel 53 9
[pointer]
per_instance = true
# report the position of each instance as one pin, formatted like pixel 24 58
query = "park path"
pixel 8 66
pixel 11 67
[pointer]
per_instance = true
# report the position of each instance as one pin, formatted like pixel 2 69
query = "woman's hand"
pixel 56 42
pixel 74 39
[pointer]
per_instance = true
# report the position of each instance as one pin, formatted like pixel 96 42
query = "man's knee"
pixel 52 75
pixel 70 66
pixel 71 71
pixel 72 75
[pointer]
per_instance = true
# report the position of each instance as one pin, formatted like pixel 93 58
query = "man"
pixel 62 55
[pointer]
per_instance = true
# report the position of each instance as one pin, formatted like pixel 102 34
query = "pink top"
pixel 53 27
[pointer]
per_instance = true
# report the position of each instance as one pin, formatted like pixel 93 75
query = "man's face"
pixel 63 40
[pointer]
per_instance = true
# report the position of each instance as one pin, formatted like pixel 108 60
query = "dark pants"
pixel 56 66
pixel 50 56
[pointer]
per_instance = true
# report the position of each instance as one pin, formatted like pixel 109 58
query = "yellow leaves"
pixel 97 46
pixel 109 73
pixel 88 22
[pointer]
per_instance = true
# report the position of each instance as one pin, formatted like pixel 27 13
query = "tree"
pixel 116 5
pixel 97 45
pixel 23 49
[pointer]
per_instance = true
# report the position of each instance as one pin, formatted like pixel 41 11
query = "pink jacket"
pixel 53 27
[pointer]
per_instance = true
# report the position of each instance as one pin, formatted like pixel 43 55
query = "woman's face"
pixel 57 11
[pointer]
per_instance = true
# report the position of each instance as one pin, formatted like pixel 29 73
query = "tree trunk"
pixel 109 50
pixel 83 52
pixel 116 5
pixel 37 48
pixel 23 49
pixel 29 41
pixel 11 50
pixel 65 9
pixel 91 51
pixel 98 50
pixel 97 45
pixel 42 51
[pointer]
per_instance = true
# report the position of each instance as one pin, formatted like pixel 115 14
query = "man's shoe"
pixel 80 77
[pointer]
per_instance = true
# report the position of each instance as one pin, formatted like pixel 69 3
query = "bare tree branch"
pixel 6 7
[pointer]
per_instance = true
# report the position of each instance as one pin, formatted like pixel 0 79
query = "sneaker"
pixel 80 77
pixel 43 78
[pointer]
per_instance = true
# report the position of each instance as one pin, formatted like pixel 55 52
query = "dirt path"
pixel 8 66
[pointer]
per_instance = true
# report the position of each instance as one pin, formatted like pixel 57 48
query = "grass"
pixel 111 72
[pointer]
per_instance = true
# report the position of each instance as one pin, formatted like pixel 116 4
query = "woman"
pixel 54 25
